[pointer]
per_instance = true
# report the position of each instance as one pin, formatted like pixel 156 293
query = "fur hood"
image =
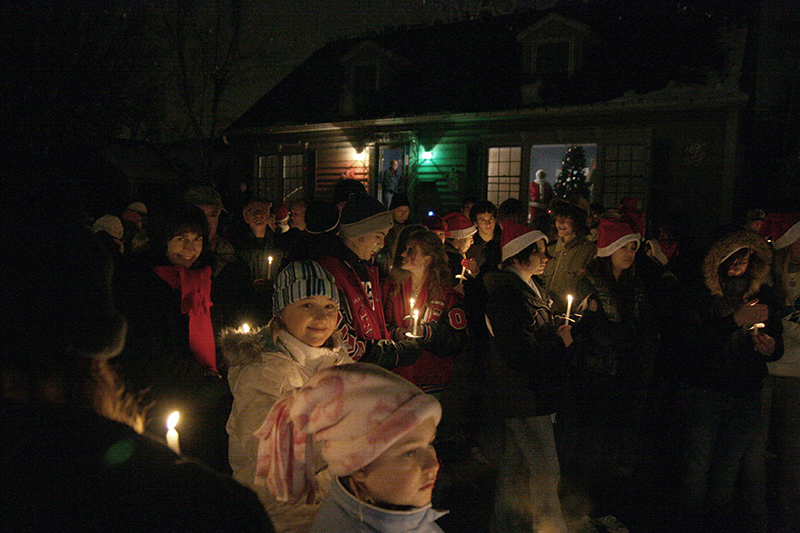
pixel 760 260
pixel 242 349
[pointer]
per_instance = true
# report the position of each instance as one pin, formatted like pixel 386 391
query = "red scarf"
pixel 195 286
pixel 368 323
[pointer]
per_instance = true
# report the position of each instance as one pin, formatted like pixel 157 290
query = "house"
pixel 477 106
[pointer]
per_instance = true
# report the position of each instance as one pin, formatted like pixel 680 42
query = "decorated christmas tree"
pixel 572 177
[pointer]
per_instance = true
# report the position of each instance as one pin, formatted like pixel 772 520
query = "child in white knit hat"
pixel 267 363
pixel 375 431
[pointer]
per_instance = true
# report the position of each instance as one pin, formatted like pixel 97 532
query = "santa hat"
pixel 613 234
pixel 663 250
pixel 517 237
pixel 354 412
pixel 460 226
pixel 781 228
pixel 282 213
pixel 436 223
pixel 363 214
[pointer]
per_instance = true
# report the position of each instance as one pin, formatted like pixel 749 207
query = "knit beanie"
pixel 301 279
pixel 138 207
pixel 321 217
pixel 110 224
pixel 344 188
pixel 354 412
pixel 781 228
pixel 363 214
pixel 517 237
pixel 399 200
pixel 204 195
pixel 460 226
pixel 613 234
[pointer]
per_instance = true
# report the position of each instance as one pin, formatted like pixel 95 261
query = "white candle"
pixel 172 433
pixel 461 277
pixel 569 308
pixel 415 328
pixel 269 268
pixel 757 326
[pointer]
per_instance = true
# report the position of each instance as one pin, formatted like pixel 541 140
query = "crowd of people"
pixel 315 348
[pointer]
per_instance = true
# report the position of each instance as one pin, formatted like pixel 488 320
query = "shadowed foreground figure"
pixel 70 458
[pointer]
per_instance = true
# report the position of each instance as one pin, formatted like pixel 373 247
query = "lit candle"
pixel 245 328
pixel 172 433
pixel 569 308
pixel 756 327
pixel 461 277
pixel 415 328
pixel 269 267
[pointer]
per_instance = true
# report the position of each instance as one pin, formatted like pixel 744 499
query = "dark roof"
pixel 475 65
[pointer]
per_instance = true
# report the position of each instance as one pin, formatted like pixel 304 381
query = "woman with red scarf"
pixel 421 272
pixel 170 354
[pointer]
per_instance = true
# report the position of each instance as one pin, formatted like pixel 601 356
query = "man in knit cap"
pixel 363 226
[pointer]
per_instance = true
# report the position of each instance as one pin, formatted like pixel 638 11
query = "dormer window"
pixel 554 45
pixel 365 81
pixel 552 57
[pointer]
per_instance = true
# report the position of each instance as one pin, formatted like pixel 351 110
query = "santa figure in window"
pixel 540 195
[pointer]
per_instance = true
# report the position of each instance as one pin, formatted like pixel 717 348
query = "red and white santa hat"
pixel 781 228
pixel 460 226
pixel 517 237
pixel 281 213
pixel 613 234
pixel 663 250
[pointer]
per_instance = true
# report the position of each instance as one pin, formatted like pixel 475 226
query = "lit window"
pixel 279 176
pixel 505 164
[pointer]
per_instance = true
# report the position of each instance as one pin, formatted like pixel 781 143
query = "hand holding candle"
pixel 569 309
pixel 415 328
pixel 172 433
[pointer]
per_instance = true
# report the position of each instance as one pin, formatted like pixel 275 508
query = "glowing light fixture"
pixel 427 155
pixel 430 213
pixel 359 156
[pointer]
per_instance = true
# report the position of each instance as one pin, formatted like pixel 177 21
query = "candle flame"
pixel 412 301
pixel 172 421
pixel 245 328
pixel 569 299
pixel 416 313
pixel 269 259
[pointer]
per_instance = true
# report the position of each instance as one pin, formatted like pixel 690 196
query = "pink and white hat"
pixel 354 412
pixel 517 237
pixel 782 228
pixel 460 226
pixel 612 235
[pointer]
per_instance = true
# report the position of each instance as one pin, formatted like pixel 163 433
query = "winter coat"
pixel 341 512
pixel 720 354
pixel 613 341
pixel 526 368
pixel 261 372
pixel 568 265
pixel 70 469
pixel 156 358
pixel 442 327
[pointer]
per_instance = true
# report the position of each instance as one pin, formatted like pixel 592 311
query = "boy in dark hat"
pixel 362 325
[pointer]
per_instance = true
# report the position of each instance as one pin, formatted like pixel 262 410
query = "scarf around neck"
pixel 195 287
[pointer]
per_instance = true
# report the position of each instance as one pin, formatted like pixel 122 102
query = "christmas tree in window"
pixel 571 178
